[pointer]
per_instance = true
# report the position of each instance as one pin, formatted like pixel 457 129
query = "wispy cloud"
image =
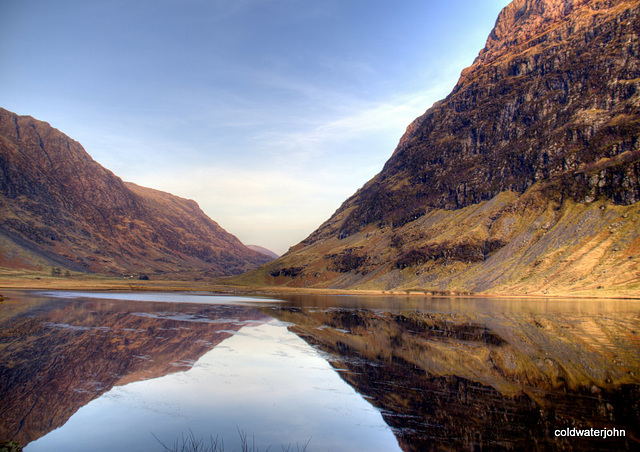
pixel 367 130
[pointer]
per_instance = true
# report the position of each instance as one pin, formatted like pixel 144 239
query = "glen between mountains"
pixel 525 179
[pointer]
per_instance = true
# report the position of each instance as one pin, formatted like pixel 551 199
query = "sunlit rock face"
pixel 57 356
pixel 60 208
pixel 554 91
pixel 486 381
pixel 514 180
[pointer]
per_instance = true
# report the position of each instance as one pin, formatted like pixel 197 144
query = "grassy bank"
pixel 15 280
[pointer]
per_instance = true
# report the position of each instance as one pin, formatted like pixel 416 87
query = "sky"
pixel 268 113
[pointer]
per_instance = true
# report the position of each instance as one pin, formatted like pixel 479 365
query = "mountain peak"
pixel 523 24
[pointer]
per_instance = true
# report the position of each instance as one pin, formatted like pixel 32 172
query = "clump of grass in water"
pixel 189 443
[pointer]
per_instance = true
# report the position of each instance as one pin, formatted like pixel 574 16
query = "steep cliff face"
pixel 60 208
pixel 494 184
pixel 549 94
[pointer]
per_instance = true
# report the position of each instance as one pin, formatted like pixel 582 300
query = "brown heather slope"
pixel 60 208
pixel 526 178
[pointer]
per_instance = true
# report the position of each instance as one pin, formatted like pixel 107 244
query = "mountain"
pixel 60 208
pixel 525 178
pixel 264 251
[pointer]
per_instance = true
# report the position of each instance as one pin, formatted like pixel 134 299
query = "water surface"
pixel 79 371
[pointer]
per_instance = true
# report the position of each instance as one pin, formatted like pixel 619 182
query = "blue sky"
pixel 269 113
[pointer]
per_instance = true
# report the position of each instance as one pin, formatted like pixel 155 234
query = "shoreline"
pixel 100 283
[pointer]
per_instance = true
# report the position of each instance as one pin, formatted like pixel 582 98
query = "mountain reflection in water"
pixel 58 355
pixel 446 374
pixel 496 374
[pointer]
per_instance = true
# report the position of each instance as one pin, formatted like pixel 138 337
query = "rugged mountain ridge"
pixel 60 208
pixel 527 172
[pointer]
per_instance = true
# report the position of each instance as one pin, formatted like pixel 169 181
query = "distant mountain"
pixel 526 178
pixel 264 251
pixel 59 208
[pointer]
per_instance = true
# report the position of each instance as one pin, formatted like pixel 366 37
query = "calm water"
pixel 105 371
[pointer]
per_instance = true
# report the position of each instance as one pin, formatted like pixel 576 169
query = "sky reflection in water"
pixel 348 373
pixel 264 381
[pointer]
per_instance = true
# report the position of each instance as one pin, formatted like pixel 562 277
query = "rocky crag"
pixel 60 209
pixel 526 178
